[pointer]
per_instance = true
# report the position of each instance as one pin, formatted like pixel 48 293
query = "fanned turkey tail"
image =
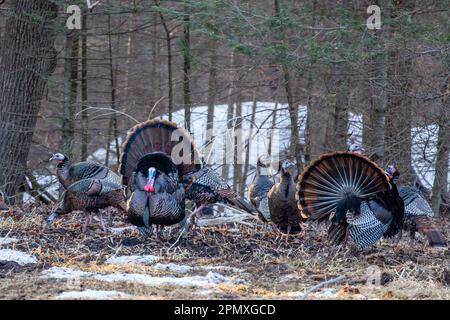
pixel 153 143
pixel 337 182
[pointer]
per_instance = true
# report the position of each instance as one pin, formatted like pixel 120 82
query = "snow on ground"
pixel 63 273
pixel 211 279
pixel 423 148
pixel 19 257
pixel 146 260
pixel 120 230
pixel 172 267
pixel 91 295
pixel 7 240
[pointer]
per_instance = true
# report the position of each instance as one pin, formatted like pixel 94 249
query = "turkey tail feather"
pixel 333 179
pixel 427 227
pixel 156 136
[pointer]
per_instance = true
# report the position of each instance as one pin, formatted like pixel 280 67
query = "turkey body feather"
pixel 284 212
pixel 258 191
pixel 419 217
pixel 205 186
pixel 362 203
pixel 155 146
pixel 69 173
pixel 90 195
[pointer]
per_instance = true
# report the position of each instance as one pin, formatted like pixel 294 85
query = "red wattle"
pixel 149 189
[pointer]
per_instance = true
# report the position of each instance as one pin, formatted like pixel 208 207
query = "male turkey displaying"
pixel 361 201
pixel 206 186
pixel 284 211
pixel 69 173
pixel 155 154
pixel 90 195
pixel 3 206
pixel 259 188
pixel 419 217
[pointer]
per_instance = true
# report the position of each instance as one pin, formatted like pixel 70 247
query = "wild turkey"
pixel 205 186
pixel 148 169
pixel 358 197
pixel 284 211
pixel 70 173
pixel 419 217
pixel 258 190
pixel 3 206
pixel 90 195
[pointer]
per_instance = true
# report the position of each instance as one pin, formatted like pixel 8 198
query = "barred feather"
pixel 356 193
pixel 419 217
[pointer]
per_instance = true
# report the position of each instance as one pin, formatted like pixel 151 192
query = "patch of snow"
pixel 327 293
pixel 92 295
pixel 208 292
pixel 223 268
pixel 288 277
pixel 211 278
pixel 120 230
pixel 7 240
pixel 19 257
pixel 178 268
pixel 65 273
pixel 173 267
pixel 148 259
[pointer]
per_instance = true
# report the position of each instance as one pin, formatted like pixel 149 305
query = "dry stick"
pixel 322 284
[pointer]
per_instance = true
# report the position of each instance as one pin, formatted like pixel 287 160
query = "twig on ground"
pixel 322 284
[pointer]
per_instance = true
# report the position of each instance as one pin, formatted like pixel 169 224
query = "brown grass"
pixel 272 269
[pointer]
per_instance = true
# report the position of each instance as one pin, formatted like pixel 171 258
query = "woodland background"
pixel 75 91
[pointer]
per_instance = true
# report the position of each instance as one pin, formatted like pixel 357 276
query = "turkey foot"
pixel 159 230
pixel 197 214
pixel 87 222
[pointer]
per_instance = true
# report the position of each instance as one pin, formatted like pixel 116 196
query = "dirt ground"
pixel 249 262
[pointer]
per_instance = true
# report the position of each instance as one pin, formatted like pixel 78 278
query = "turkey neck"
pixel 262 171
pixel 63 171
pixel 286 184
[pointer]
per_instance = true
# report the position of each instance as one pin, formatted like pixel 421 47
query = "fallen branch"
pixel 322 284
pixel 223 220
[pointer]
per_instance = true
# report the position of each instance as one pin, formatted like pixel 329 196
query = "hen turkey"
pixel 90 195
pixel 284 211
pixel 3 206
pixel 206 186
pixel 353 192
pixel 419 217
pixel 155 154
pixel 69 173
pixel 259 188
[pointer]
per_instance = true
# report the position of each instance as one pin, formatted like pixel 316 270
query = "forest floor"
pixel 234 261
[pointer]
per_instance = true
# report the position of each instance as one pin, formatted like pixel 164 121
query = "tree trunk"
pixel 243 181
pixel 25 65
pixel 440 183
pixel 187 68
pixel 374 120
pixel 398 139
pixel 113 131
pixel 84 91
pixel 70 93
pixel 169 59
pixel 294 148
pixel 212 91
pixel 237 176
